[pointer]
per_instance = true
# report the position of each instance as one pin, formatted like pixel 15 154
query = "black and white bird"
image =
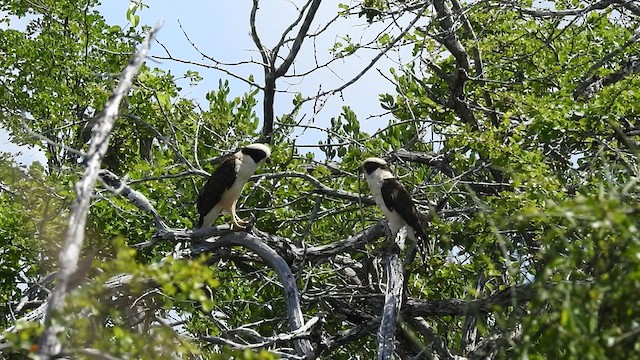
pixel 394 200
pixel 222 190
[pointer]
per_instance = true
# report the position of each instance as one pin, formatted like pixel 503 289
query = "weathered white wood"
pixel 393 269
pixel 68 261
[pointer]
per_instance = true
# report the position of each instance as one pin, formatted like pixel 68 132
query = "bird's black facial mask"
pixel 256 154
pixel 371 166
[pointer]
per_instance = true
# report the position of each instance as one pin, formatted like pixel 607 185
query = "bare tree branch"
pixel 271 72
pixel 477 57
pixel 591 85
pixel 373 61
pixel 256 38
pixel 393 269
pixel 429 334
pixel 263 342
pixel 132 195
pixel 255 244
pixel 461 73
pixel 302 34
pixel 564 13
pixel 49 344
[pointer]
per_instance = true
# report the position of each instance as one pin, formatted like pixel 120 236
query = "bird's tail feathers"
pixel 426 244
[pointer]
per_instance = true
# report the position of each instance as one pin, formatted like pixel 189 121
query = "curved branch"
pixel 303 332
pixel 275 261
pixel 254 34
pixel 461 73
pixel 314 253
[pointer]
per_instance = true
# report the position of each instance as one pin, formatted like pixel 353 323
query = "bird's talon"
pixel 237 226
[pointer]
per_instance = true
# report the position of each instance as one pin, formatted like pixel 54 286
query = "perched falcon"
pixel 222 190
pixel 394 200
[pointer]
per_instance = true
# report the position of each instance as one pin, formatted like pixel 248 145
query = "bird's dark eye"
pixel 256 154
pixel 370 166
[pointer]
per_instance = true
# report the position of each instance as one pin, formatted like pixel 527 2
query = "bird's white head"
pixel 376 169
pixel 258 152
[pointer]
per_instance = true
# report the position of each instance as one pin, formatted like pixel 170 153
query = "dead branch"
pixel 460 75
pixel 49 344
pixel 438 345
pixel 263 342
pixel 393 269
pixel 139 200
pixel 373 61
pixel 276 262
pixel 564 13
pixel 269 57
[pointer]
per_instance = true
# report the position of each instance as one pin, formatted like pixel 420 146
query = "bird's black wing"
pixel 221 180
pixel 397 198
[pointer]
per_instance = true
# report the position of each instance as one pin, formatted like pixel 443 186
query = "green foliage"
pixel 566 221
pixel 58 68
pixel 344 48
pixel 183 285
pixel 31 226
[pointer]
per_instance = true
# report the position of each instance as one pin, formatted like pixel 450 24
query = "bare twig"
pixel 373 61
pixel 49 141
pixel 320 187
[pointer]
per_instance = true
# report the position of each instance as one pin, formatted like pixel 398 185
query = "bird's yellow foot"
pixel 236 225
pixel 240 223
pixel 238 220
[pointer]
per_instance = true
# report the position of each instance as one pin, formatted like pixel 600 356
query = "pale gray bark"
pixel 49 344
pixel 393 269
